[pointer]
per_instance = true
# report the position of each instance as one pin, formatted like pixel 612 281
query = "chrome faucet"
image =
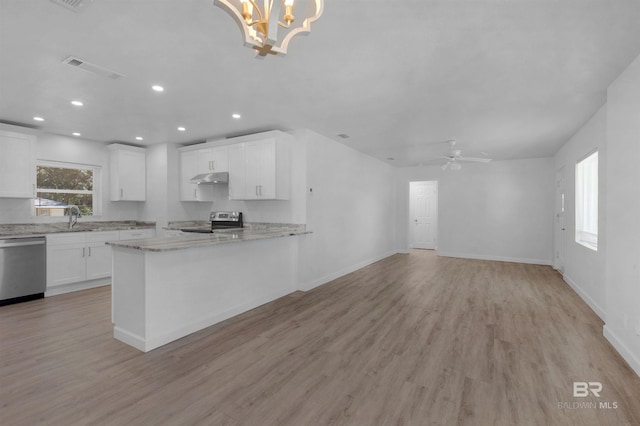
pixel 73 216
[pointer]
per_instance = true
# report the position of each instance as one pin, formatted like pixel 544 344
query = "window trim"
pixel 585 237
pixel 97 183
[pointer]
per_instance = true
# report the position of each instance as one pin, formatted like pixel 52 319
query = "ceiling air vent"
pixel 74 5
pixel 92 68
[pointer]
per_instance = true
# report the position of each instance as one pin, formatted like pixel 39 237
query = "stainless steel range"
pixel 220 221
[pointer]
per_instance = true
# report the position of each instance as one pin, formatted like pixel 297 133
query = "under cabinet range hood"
pixel 219 177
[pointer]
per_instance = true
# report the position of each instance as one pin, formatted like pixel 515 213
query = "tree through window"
pixel 59 186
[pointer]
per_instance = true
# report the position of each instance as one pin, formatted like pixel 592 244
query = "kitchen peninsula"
pixel 166 288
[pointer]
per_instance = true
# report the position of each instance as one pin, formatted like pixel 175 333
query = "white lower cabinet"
pixel 74 257
pixel 99 254
pixel 78 256
pixel 66 262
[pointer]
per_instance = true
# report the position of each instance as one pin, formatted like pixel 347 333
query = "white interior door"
pixel 560 228
pixel 423 203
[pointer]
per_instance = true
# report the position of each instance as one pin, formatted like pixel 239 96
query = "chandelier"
pixel 267 28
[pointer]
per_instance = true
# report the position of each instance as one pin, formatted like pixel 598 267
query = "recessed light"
pixel 236 115
pixel 182 129
pixel 38 118
pixel 138 138
pixel 76 134
pixel 157 88
pixel 76 103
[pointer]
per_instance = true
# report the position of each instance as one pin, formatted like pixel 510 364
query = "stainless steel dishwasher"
pixel 23 269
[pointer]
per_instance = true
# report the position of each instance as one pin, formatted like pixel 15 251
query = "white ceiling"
pixel 514 79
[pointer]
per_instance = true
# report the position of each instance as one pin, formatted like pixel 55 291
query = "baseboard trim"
pixel 585 297
pixel 546 262
pixel 129 338
pixel 622 349
pixel 344 271
pixel 159 340
pixel 152 342
pixel 84 285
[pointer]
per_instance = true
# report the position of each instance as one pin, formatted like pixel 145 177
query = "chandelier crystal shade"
pixel 268 25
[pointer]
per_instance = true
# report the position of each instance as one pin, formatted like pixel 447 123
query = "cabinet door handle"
pixel 83 251
pixel 89 251
pixel 256 190
pixel 121 193
pixel 213 164
pixel 195 193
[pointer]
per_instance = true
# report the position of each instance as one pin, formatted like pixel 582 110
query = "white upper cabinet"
pixel 17 165
pixel 128 173
pixel 261 169
pixel 189 167
pixel 214 159
pixel 205 161
pixel 220 159
pixel 236 172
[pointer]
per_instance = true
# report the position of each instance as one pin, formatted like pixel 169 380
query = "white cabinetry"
pixel 214 159
pixel 98 254
pixel 189 191
pixel 128 173
pixel 260 169
pixel 197 161
pixel 17 165
pixel 78 256
pixel 236 172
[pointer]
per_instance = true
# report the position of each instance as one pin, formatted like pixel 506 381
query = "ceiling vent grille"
pixel 92 68
pixel 74 5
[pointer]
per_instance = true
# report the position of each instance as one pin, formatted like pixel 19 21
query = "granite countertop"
pixel 181 242
pixel 15 229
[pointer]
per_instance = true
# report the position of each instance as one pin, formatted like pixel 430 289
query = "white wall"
pixel 155 208
pixel 74 150
pixel 623 215
pixel 584 269
pixel 501 210
pixel 350 210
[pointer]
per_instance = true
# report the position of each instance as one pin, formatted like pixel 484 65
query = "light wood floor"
pixel 410 340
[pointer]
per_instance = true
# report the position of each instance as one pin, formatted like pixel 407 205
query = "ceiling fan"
pixel 454 158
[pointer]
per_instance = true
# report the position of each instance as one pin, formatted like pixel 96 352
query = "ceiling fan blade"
pixel 474 159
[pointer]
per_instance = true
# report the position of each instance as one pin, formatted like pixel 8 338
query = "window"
pixel 587 201
pixel 60 185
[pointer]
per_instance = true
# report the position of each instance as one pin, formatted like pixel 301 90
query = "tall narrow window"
pixel 587 201
pixel 61 185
